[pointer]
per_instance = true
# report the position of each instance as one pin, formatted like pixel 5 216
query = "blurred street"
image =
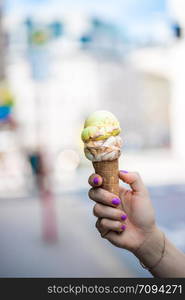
pixel 59 62
pixel 80 251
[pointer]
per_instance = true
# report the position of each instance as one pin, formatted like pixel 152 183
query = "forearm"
pixel 161 257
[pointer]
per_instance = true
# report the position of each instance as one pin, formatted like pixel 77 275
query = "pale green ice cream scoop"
pixel 100 125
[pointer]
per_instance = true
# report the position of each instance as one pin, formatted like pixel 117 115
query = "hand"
pixel 128 227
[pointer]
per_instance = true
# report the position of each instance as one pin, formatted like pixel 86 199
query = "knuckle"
pixel 103 235
pixel 117 214
pixel 91 193
pixel 96 209
pixel 95 193
pixel 101 192
pixel 104 195
pixel 117 224
pixel 96 224
pixel 103 222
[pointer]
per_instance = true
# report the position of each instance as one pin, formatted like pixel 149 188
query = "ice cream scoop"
pixel 100 125
pixel 100 137
pixel 102 145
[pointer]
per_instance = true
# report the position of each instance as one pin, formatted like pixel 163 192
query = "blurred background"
pixel 59 61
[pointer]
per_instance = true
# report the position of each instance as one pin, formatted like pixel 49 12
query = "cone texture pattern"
pixel 108 170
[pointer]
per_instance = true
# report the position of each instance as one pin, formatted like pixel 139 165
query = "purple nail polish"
pixel 116 201
pixel 123 227
pixel 95 180
pixel 124 171
pixel 124 217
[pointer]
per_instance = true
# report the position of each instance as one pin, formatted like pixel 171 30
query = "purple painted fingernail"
pixel 124 217
pixel 95 180
pixel 123 227
pixel 116 201
pixel 124 171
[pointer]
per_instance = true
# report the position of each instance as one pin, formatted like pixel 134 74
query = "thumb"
pixel 133 179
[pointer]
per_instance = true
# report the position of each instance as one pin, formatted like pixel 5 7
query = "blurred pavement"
pixel 80 251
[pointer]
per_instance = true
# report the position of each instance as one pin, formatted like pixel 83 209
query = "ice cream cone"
pixel 108 170
pixel 102 146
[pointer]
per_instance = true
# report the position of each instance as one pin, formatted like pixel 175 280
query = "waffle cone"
pixel 108 170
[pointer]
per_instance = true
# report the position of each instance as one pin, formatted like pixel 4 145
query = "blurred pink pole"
pixel 50 233
pixel 49 220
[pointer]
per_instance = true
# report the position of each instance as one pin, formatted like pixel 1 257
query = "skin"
pixel 140 233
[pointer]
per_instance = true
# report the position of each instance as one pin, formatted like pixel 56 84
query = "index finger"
pixel 95 180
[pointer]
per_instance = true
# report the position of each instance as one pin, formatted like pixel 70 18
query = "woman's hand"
pixel 128 227
pixel 133 227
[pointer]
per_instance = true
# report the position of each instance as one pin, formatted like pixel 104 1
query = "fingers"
pixel 104 197
pixel 134 180
pixel 111 232
pixel 131 178
pixel 105 225
pixel 95 180
pixel 102 211
pixel 109 219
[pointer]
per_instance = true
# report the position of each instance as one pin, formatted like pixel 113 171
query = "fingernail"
pixel 124 171
pixel 124 217
pixel 116 201
pixel 123 227
pixel 95 180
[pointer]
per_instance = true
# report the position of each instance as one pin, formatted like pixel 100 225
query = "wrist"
pixel 152 249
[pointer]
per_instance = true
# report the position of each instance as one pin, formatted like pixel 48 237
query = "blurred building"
pixel 177 60
pixel 2 41
pixel 88 64
pixel 61 68
pixel 91 70
pixel 160 88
